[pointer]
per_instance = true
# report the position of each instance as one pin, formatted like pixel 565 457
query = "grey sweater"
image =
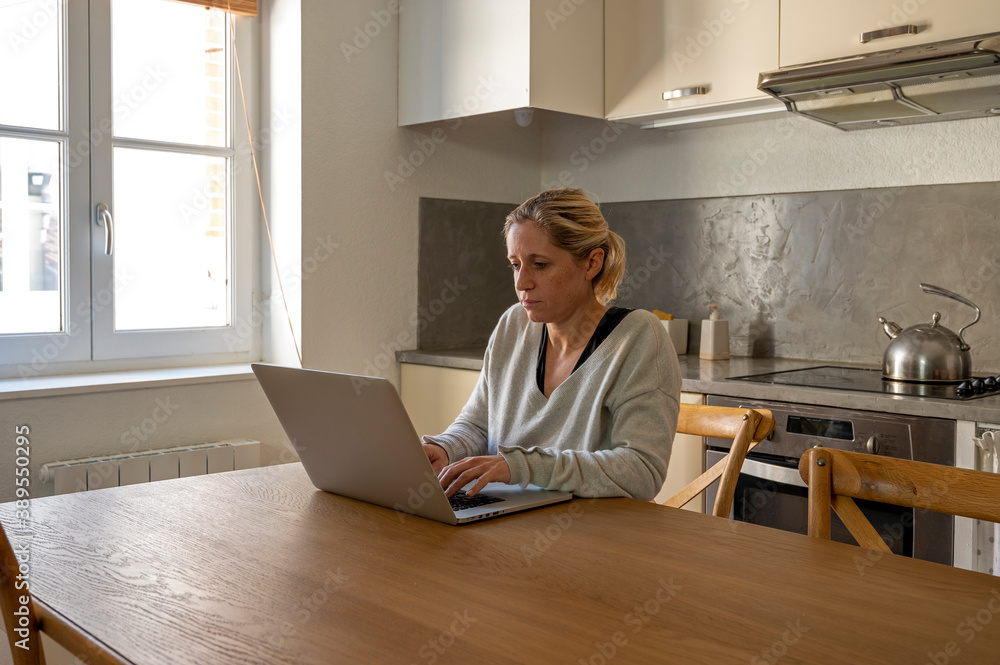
pixel 605 431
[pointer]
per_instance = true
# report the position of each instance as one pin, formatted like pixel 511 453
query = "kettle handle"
pixel 938 291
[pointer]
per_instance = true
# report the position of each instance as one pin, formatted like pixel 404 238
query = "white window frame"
pixel 32 354
pixel 88 341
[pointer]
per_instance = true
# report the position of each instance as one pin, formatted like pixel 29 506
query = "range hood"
pixel 948 80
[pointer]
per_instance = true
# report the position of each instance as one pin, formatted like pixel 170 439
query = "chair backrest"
pixel 836 477
pixel 18 608
pixel 746 427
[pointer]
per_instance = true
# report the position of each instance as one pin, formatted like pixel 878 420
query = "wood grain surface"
pixel 257 566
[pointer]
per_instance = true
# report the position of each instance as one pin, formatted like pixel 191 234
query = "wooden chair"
pixel 18 615
pixel 836 477
pixel 38 618
pixel 746 427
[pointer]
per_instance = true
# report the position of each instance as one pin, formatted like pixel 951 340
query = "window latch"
pixel 104 219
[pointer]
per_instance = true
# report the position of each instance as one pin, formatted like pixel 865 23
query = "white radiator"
pixel 93 473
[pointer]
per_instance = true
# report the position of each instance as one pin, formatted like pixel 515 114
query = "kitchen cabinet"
pixel 460 58
pixel 434 396
pixel 812 31
pixel 977 543
pixel 705 55
pixel 967 553
pixel 687 462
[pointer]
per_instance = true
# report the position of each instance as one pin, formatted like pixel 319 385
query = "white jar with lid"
pixel 714 337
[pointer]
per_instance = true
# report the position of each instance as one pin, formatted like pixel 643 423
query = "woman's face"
pixel 551 285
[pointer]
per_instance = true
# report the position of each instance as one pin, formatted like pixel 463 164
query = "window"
pixel 127 216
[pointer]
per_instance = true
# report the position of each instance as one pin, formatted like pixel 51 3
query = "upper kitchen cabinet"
pixel 460 58
pixel 680 61
pixel 813 31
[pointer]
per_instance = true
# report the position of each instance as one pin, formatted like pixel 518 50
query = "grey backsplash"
pixel 801 275
pixel 464 283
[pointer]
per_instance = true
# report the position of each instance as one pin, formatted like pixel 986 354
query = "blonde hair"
pixel 574 223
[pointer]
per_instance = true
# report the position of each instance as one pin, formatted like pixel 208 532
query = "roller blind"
pixel 239 7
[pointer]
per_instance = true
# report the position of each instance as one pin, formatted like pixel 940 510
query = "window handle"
pixel 104 219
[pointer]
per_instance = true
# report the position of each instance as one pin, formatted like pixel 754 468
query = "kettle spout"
pixel 891 328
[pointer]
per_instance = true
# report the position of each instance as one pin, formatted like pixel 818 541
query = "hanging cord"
pixel 260 191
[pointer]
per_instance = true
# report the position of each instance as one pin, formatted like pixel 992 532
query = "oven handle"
pixel 772 472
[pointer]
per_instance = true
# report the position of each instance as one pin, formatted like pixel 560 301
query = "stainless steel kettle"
pixel 928 352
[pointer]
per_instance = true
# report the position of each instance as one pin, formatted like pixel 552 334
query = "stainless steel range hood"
pixel 948 80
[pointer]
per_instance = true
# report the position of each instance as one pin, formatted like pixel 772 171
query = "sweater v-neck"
pixel 604 328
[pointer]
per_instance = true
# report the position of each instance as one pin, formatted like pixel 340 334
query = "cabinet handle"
pixel 685 92
pixel 866 37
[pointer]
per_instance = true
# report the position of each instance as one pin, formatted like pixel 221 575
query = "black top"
pixel 608 322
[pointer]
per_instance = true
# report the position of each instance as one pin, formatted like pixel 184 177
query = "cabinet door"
pixel 717 46
pixel 434 396
pixel 812 31
pixel 459 58
pixel 687 462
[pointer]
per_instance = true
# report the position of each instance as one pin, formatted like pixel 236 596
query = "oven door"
pixel 771 493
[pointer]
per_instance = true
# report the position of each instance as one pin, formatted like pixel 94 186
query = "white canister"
pixel 714 337
pixel 678 331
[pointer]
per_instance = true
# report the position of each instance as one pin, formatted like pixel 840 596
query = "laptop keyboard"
pixel 460 501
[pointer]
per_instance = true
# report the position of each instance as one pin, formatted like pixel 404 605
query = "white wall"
pixel 782 154
pixel 131 420
pixel 360 307
pixel 281 173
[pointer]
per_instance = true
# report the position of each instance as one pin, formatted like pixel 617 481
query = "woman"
pixel 573 395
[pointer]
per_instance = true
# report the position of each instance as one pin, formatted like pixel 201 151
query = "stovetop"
pixel 870 380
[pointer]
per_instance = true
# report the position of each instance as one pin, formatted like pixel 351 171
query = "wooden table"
pixel 258 567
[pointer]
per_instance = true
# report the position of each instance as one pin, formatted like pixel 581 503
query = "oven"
pixel 770 491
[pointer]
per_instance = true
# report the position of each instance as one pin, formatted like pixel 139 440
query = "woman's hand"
pixel 486 468
pixel 437 455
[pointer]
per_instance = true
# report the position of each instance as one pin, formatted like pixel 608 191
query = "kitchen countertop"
pixel 465 358
pixel 710 377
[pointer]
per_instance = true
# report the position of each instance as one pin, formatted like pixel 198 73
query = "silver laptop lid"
pixel 354 438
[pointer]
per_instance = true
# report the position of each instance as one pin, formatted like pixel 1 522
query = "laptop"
pixel 355 439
